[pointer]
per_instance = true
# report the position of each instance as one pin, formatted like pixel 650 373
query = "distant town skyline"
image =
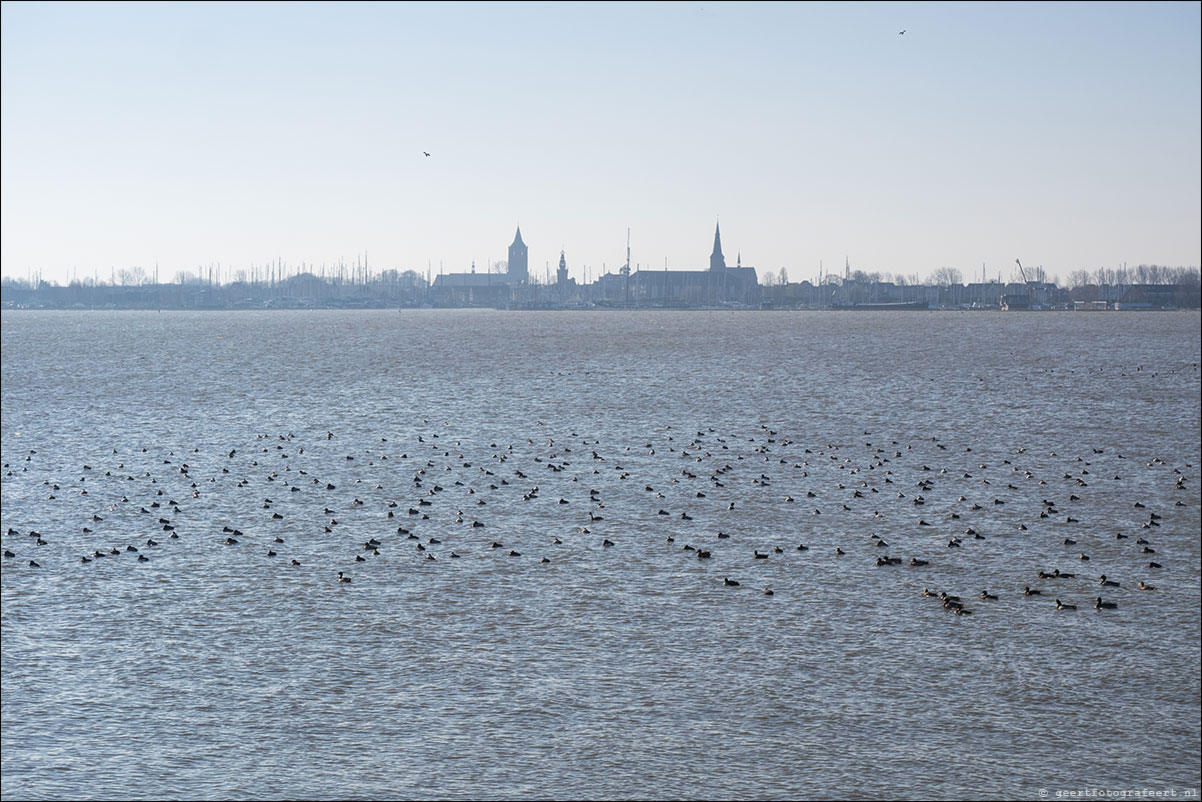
pixel 186 136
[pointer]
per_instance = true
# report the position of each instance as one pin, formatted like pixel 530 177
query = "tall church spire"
pixel 518 260
pixel 717 260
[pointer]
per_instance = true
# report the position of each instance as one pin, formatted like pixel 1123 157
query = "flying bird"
pixel 426 153
pixel 899 33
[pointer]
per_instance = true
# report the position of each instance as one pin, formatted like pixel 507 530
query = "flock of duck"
pixel 733 501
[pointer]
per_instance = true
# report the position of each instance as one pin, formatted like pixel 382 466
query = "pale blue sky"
pixel 1066 135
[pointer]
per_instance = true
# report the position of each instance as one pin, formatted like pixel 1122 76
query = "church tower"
pixel 717 260
pixel 518 265
pixel 561 275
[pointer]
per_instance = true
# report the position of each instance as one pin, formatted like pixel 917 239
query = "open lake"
pixel 520 500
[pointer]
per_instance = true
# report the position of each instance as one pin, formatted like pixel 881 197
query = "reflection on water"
pixel 213 670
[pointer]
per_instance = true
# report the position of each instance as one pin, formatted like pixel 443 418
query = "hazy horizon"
pixel 191 135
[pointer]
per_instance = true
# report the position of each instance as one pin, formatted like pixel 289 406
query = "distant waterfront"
pixel 643 291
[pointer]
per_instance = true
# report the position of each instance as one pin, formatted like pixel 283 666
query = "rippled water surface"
pixel 543 663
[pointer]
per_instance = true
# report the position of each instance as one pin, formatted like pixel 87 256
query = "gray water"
pixel 213 671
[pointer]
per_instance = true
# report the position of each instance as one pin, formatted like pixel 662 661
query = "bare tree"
pixel 947 276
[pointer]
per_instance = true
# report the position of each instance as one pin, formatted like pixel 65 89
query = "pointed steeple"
pixel 717 260
pixel 518 260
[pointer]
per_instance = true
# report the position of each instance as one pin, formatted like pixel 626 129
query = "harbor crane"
pixel 1030 284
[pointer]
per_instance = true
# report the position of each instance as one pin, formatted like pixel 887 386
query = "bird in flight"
pixel 426 153
pixel 899 33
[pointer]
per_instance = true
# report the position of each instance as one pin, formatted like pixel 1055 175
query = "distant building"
pixel 1158 296
pixel 519 265
pixel 565 291
pixel 1033 295
pixel 985 293
pixel 471 289
pixel 717 260
pixel 561 275
pixel 718 286
pixel 483 289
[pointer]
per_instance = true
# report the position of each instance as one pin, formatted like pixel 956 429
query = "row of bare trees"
pixel 953 277
pixel 1144 274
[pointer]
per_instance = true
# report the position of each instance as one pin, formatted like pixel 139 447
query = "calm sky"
pixel 190 134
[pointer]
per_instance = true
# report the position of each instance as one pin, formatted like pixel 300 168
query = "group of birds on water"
pixel 699 494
